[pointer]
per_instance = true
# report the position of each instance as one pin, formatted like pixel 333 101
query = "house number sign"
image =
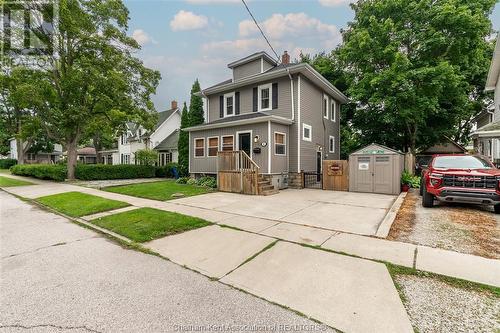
pixel 335 169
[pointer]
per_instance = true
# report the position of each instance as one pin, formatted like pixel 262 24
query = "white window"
pixel 228 143
pixel 331 145
pixel 334 110
pixel 325 107
pixel 279 143
pixel 306 132
pixel 229 105
pixel 213 146
pixel 125 158
pixel 123 139
pixel 264 95
pixel 199 147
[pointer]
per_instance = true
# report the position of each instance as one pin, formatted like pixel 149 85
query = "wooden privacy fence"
pixel 336 175
pixel 237 173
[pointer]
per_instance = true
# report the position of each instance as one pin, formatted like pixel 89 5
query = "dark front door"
pixel 244 142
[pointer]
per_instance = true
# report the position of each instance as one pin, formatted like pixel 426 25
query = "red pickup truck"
pixel 461 178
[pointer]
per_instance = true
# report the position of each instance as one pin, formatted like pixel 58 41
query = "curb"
pixel 386 224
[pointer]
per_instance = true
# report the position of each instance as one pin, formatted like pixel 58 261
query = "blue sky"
pixel 189 39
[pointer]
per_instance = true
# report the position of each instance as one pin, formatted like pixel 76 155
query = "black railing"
pixel 313 180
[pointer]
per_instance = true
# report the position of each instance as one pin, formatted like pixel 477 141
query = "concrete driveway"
pixel 359 213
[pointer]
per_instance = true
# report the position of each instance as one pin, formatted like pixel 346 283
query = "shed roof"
pixel 376 149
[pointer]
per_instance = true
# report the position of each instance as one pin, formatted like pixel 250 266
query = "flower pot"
pixel 405 187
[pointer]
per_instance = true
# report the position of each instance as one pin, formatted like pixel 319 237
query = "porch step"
pixel 269 192
pixel 264 182
pixel 266 188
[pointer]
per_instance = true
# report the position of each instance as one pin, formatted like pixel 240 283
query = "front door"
pixel 245 143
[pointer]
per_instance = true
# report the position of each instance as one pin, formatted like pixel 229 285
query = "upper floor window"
pixel 264 97
pixel 325 107
pixel 306 132
pixel 123 139
pixel 229 105
pixel 334 110
pixel 228 143
pixel 199 147
pixel 213 146
pixel 279 143
pixel 331 146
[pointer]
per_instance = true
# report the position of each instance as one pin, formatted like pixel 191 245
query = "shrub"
pixel 146 156
pixel 106 171
pixel 41 171
pixel 410 180
pixel 191 181
pixel 7 163
pixel 207 182
pixel 182 180
pixel 167 170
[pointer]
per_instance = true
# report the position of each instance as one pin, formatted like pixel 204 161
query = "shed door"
pixel 364 174
pixel 383 175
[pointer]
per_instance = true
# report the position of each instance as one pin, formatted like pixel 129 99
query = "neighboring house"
pixel 87 155
pixel 284 117
pixel 163 138
pixel 448 146
pixel 486 137
pixel 36 157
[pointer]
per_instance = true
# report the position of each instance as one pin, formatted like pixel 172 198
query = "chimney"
pixel 285 58
pixel 174 104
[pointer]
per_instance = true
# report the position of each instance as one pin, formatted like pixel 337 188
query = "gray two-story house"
pixel 285 117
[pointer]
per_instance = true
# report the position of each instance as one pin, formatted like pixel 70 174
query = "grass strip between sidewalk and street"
pixel 162 190
pixel 7 182
pixel 78 204
pixel 146 224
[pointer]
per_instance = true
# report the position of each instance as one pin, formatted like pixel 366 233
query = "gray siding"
pixel 483 120
pixel 293 150
pixel 248 69
pixel 209 164
pixel 279 163
pixel 246 100
pixel 312 114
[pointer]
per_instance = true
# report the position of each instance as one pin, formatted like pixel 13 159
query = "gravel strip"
pixel 435 306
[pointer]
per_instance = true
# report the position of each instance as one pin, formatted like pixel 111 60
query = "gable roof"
pixel 276 72
pixel 162 116
pixel 494 71
pixel 170 142
pixel 446 147
pixel 375 148
pixel 252 57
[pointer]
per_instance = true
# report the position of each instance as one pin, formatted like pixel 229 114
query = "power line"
pixel 262 32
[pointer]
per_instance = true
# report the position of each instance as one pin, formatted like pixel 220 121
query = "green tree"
pixel 417 68
pixel 94 76
pixel 146 156
pixel 183 144
pixel 196 115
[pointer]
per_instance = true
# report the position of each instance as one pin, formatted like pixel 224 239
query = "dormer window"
pixel 265 92
pixel 229 105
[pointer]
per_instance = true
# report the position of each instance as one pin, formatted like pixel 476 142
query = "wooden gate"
pixel 336 175
pixel 237 173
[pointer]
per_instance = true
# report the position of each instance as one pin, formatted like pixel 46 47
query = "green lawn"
pixel 80 204
pixel 145 224
pixel 5 171
pixel 6 182
pixel 161 190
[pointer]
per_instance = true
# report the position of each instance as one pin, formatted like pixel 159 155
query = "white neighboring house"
pixel 38 157
pixel 486 137
pixel 163 138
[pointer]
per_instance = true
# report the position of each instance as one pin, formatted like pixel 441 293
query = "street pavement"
pixel 57 276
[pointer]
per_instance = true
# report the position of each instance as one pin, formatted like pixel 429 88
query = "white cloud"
pixel 282 27
pixel 184 20
pixel 334 3
pixel 141 37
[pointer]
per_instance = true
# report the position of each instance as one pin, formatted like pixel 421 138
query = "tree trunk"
pixel 98 147
pixel 20 151
pixel 72 159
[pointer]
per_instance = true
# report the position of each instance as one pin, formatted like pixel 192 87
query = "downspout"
pixel 208 106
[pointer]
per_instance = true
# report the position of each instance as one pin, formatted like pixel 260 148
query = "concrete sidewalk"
pixel 454 264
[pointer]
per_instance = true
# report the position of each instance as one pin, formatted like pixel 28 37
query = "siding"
pixel 279 163
pixel 312 114
pixel 209 164
pixel 496 116
pixel 246 100
pixel 251 68
pixel 483 120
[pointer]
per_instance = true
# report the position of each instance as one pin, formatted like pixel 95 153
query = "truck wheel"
pixel 427 199
pixel 497 208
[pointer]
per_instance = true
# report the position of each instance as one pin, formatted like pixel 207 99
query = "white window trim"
pixel 329 144
pixel 334 110
pixel 226 96
pixel 285 144
pixel 222 141
pixel 194 147
pixel 325 98
pixel 304 126
pixel 259 95
pixel 208 145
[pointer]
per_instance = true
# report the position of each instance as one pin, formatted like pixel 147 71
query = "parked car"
pixel 461 178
